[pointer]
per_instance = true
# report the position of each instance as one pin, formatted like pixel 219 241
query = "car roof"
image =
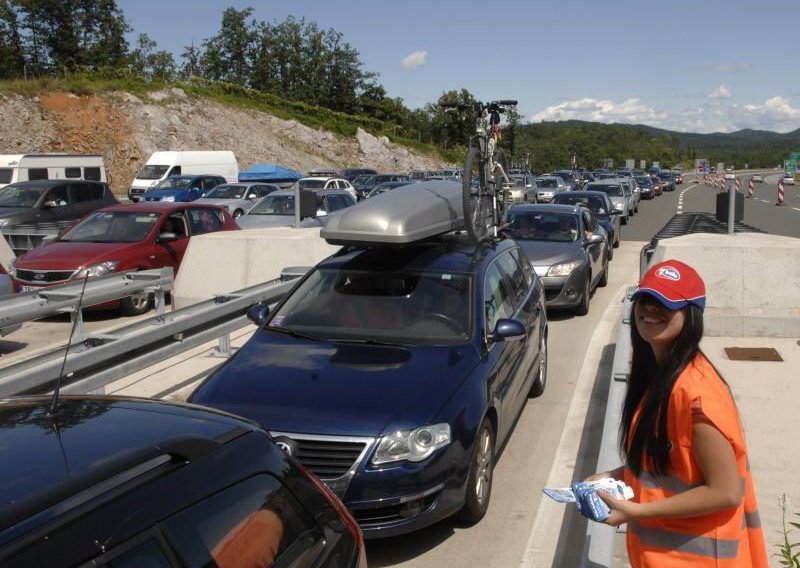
pixel 46 183
pixel 156 207
pixel 451 253
pixel 565 195
pixel 317 190
pixel 547 207
pixel 89 443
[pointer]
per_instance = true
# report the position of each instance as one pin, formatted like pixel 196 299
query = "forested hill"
pixel 550 144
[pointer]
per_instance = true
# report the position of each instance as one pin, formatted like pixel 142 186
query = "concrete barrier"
pixel 220 263
pixel 6 254
pixel 751 281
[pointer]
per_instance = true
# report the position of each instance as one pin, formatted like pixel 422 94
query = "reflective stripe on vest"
pixel 751 520
pixel 700 545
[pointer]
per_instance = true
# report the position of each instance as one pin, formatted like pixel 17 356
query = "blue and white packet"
pixel 584 495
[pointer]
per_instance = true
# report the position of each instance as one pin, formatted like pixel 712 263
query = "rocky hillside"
pixel 126 129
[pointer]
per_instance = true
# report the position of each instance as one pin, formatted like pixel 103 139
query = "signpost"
pixel 790 166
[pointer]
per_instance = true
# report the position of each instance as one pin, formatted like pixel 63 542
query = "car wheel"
pixel 624 220
pixel 610 249
pixel 135 305
pixel 583 308
pixel 238 213
pixel 537 389
pixel 617 237
pixel 604 278
pixel 636 209
pixel 481 475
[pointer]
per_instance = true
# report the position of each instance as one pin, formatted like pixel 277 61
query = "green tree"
pixel 227 56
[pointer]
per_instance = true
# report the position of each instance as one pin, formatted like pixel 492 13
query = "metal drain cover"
pixel 753 354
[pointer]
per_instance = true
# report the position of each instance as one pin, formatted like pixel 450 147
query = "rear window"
pixel 72 173
pixel 35 174
pixel 254 523
pixel 6 174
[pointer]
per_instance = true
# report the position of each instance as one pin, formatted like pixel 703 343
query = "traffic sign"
pixel 794 156
pixel 790 166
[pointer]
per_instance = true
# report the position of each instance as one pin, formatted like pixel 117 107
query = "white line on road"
pixel 680 198
pixel 540 551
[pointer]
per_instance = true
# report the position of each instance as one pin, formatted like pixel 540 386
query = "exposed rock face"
pixel 126 129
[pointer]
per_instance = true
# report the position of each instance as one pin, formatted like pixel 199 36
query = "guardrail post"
pixel 79 335
pixel 159 303
pixel 224 347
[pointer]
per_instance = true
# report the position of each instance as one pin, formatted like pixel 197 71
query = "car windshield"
pixel 545 226
pixel 16 196
pixel 609 189
pixel 173 183
pixel 665 175
pixel 518 181
pixel 547 183
pixel 595 203
pixel 407 307
pixel 312 183
pixel 152 172
pixel 362 179
pixel 644 182
pixel 274 205
pixel 112 227
pixel 227 191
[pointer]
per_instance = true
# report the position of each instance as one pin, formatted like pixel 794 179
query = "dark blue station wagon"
pixel 396 374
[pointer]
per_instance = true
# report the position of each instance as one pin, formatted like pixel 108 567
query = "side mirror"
pixel 508 330
pixel 164 238
pixel 50 204
pixel 251 196
pixel 595 239
pixel 258 314
pixel 322 212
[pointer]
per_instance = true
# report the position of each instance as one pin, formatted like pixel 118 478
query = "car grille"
pixel 48 276
pixel 390 514
pixel 136 190
pixel 327 457
pixel 551 294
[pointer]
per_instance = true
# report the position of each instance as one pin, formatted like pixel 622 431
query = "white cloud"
pixel 730 67
pixel 414 60
pixel 776 113
pixel 630 111
pixel 721 92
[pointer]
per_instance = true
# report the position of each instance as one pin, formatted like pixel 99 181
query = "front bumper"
pixel 545 197
pixel 563 291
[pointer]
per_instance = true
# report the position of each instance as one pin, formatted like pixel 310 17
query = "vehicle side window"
pixel 211 183
pixel 525 265
pixel 59 194
pixel 336 202
pixel 175 171
pixel 91 174
pixel 35 174
pixel 82 192
pixel 254 523
pixel 175 223
pixel 148 554
pixel 205 220
pixel 496 297
pixel 512 270
pixel 72 173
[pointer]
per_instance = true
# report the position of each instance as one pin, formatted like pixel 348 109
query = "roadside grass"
pixel 788 551
pixel 229 94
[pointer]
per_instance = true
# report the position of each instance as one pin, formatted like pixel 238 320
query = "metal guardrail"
pixel 105 358
pixel 63 298
pixel 600 538
pixel 23 238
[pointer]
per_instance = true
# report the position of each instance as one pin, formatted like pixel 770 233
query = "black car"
pixel 352 173
pixel 51 201
pixel 600 205
pixel 384 187
pixel 368 184
pixel 568 249
pixel 117 482
pixel 646 186
pixel 668 178
pixel 396 374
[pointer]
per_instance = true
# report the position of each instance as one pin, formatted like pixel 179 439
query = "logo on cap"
pixel 669 273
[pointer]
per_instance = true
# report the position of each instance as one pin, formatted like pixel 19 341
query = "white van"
pixel 165 164
pixel 32 167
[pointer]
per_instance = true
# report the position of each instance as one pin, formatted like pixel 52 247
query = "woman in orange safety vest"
pixel 684 447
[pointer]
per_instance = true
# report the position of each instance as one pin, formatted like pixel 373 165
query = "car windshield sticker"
pixel 446 276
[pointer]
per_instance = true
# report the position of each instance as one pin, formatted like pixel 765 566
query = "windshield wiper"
pixel 369 342
pixel 293 333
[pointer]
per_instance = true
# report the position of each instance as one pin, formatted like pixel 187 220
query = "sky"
pixel 696 66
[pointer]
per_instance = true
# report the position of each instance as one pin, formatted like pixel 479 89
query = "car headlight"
pixel 619 206
pixel 97 269
pixel 412 445
pixel 563 269
pixel 168 198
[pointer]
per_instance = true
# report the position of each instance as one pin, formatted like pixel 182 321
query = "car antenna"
pixel 56 392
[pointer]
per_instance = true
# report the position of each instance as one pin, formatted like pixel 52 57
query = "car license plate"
pixel 30 288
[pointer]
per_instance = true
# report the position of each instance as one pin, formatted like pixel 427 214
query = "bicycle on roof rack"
pixel 484 182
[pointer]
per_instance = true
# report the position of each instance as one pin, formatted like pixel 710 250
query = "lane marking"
pixel 680 198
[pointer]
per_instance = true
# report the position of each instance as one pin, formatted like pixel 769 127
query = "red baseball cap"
pixel 674 284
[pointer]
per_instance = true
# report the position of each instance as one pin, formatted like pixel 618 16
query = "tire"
pixel 604 278
pixel 476 207
pixel 610 249
pixel 624 220
pixel 617 237
pixel 583 308
pixel 135 305
pixel 537 388
pixel 481 475
pixel 238 213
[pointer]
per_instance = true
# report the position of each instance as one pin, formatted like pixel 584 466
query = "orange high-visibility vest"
pixel 725 539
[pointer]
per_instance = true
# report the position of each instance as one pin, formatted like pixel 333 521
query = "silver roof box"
pixel 401 216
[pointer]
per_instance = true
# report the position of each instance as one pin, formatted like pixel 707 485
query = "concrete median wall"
pixel 752 281
pixel 221 263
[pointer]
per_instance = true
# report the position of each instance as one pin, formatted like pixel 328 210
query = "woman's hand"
pixel 621 512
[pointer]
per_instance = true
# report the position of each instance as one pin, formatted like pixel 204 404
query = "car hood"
pixel 178 194
pixel 543 253
pixel 264 221
pixel 222 202
pixel 296 385
pixel 65 256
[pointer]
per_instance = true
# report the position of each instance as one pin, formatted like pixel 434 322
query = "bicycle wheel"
pixel 500 191
pixel 474 195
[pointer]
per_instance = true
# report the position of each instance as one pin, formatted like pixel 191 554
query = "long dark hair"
pixel 646 445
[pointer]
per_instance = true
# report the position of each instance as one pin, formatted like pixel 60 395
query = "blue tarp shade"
pixel 269 172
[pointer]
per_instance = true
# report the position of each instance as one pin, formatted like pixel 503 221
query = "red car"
pixel 118 238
